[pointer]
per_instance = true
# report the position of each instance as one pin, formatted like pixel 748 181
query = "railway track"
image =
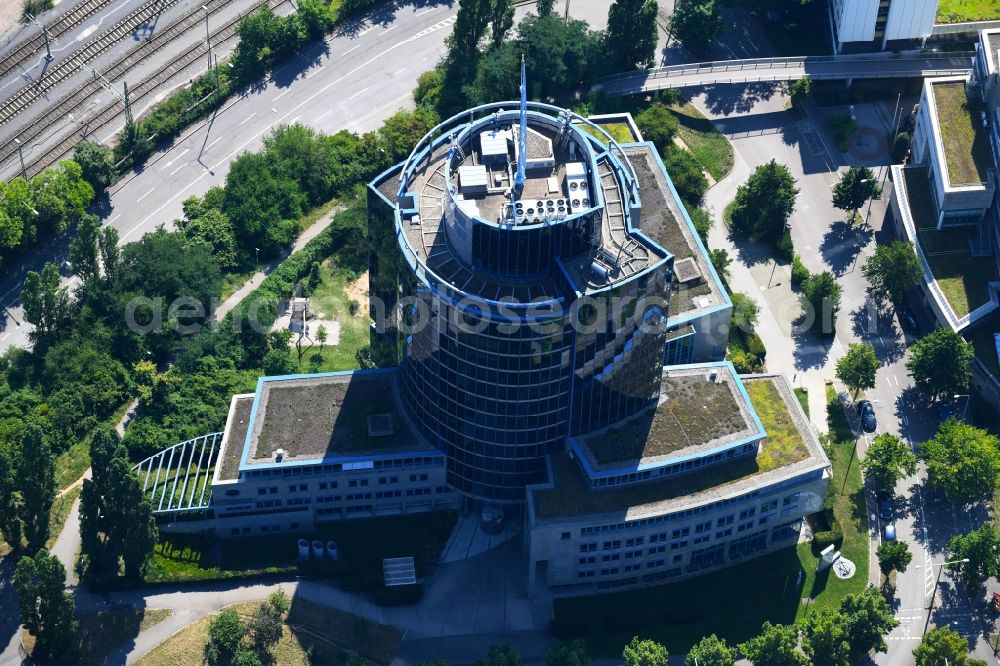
pixel 86 54
pixel 63 24
pixel 136 92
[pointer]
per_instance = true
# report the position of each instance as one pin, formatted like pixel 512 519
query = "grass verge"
pixel 331 300
pixel 803 396
pixel 58 514
pixel 709 146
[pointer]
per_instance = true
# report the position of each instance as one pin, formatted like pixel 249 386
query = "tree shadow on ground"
pixel 811 349
pixel 842 245
pixel 871 320
pixel 728 98
pixel 383 14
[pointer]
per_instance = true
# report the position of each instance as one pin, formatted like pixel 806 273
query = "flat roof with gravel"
pixel 791 449
pixel 323 416
pixel 236 433
pixel 701 409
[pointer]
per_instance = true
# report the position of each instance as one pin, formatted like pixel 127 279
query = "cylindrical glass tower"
pixel 528 313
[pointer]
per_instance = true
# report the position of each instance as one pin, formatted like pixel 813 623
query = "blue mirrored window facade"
pixel 520 314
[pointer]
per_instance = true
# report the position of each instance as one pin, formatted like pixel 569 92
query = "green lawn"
pixel 734 602
pixel 963 279
pixel 188 558
pixel 331 299
pixel 709 146
pixel 803 395
pixel 619 131
pixel 966 143
pixel 960 11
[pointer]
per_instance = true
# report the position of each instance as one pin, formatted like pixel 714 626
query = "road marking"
pixel 247 119
pixel 323 115
pixel 316 70
pixel 902 417
pixel 181 192
pixel 881 341
pixel 4 337
pixel 426 11
pixel 358 93
pixel 366 31
pixel 896 380
pixel 390 29
pixel 175 159
pixel 294 120
pixel 151 190
pixel 400 71
pixel 16 286
pixel 112 220
pixel 282 94
pixel 352 49
pixel 177 169
pixel 887 381
pixel 213 143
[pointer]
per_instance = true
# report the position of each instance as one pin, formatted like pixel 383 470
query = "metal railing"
pixel 780 63
pixel 179 478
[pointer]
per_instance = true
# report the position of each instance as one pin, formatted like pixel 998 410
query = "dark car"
pixel 907 322
pixel 885 508
pixel 866 412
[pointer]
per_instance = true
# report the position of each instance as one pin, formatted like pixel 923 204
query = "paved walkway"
pixel 755 70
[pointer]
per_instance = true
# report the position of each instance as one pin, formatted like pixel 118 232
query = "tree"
pixel 710 651
pixel 868 619
pixel 545 7
pixel 96 165
pixel 212 230
pixel 36 479
pixel 567 654
pixel 116 518
pixel 856 186
pixel 60 196
pixel 962 461
pixel 822 294
pixel 939 363
pixel 892 270
pixel 942 644
pixel 559 56
pixel 893 556
pixel 46 609
pixel 264 628
pixel 658 125
pixel 800 89
pixel 696 23
pixel 764 203
pixel 745 312
pixel 776 645
pixel 321 336
pixel 225 632
pixel 720 261
pixel 888 460
pixel 686 175
pixel 631 34
pixel 982 548
pixel 11 511
pixel 500 655
pixel 857 367
pixel 402 130
pixel 501 20
pixel 645 652
pixel 824 639
pixel 83 249
pixel 46 304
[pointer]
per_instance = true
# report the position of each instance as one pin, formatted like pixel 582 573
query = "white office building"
pixel 875 25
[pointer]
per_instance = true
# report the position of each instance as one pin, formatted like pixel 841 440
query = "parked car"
pixel 907 322
pixel 889 532
pixel 885 508
pixel 866 412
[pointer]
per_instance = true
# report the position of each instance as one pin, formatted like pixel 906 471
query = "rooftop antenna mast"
pixel 522 139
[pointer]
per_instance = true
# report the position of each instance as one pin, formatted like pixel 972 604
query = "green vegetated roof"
pixel 966 143
pixel 235 438
pixel 784 445
pixel 693 411
pixel 320 416
pixel 619 131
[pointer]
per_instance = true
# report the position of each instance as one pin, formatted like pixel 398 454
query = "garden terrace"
pixel 966 143
pixel 327 415
pixel 664 223
pixel 699 410
pixel 963 279
pixel 789 450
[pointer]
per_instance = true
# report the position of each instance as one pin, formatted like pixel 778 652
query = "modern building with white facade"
pixel 556 335
pixel 944 201
pixel 877 25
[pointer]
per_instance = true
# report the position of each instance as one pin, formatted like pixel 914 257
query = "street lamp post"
pixel 967 398
pixel 942 565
